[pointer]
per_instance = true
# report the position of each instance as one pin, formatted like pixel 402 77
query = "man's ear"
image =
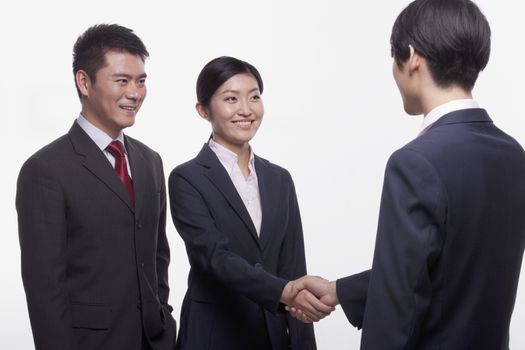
pixel 83 82
pixel 202 110
pixel 414 60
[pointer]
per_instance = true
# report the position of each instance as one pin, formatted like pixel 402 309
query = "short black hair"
pixel 217 71
pixel 452 35
pixel 90 48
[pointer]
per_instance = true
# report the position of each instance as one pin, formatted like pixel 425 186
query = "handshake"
pixel 310 298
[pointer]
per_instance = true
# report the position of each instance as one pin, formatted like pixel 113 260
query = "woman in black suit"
pixel 238 216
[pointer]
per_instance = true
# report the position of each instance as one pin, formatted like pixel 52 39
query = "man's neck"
pixel 437 96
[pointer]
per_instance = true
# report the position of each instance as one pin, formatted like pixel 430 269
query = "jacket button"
pixel 142 265
pixel 139 225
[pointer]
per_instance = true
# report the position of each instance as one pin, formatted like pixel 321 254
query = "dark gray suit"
pixel 450 242
pixel 94 267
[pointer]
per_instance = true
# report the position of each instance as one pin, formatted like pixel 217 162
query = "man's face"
pixel 114 99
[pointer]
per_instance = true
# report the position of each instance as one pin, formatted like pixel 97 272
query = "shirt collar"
pixel 101 139
pixel 229 158
pixel 454 105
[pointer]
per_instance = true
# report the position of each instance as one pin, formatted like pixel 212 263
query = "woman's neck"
pixel 243 153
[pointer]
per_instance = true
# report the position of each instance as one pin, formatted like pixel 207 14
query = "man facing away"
pixel 451 230
pixel 91 214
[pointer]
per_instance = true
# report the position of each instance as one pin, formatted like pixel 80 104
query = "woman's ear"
pixel 202 110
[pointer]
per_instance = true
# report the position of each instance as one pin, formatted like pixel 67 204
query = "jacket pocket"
pixel 91 316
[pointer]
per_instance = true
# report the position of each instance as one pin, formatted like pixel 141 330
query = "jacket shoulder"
pixel 53 152
pixel 276 169
pixel 141 146
pixel 53 148
pixel 186 169
pixel 49 158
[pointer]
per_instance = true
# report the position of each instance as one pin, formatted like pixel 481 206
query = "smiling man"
pixel 91 214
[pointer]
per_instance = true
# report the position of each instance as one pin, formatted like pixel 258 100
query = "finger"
pixel 316 308
pixel 305 318
pixel 319 306
pixel 308 311
pixel 293 311
pixel 329 300
pixel 301 316
pixel 302 304
pixel 296 315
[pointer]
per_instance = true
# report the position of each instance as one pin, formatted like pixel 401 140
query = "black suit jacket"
pixel 449 244
pixel 94 267
pixel 236 278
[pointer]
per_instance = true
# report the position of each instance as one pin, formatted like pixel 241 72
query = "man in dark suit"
pixel 91 213
pixel 451 230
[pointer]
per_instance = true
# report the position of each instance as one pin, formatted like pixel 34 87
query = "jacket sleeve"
pixel 292 265
pixel 41 211
pixel 208 248
pixel 352 292
pixel 409 241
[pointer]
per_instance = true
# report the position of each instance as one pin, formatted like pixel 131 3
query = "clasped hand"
pixel 310 298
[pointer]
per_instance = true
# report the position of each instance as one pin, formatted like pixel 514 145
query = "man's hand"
pixel 298 298
pixel 305 290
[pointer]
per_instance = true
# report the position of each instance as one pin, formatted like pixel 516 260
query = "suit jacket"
pixel 94 267
pixel 450 242
pixel 236 278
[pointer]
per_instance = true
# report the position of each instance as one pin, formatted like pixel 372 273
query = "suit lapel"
pixel 95 161
pixel 270 196
pixel 216 173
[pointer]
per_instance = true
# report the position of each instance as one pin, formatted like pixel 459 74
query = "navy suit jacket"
pixel 450 242
pixel 236 278
pixel 95 268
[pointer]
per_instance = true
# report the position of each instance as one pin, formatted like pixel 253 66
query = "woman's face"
pixel 235 111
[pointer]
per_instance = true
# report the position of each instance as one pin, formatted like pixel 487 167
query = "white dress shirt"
pixel 248 188
pixel 102 140
pixel 451 106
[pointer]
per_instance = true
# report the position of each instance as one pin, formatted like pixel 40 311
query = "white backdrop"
pixel 333 113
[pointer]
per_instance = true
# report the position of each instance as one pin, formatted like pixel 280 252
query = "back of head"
pixel 452 35
pixel 90 48
pixel 217 71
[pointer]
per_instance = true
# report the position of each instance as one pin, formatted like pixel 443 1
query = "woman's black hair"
pixel 217 71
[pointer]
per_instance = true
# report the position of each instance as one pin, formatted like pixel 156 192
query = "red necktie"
pixel 117 150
